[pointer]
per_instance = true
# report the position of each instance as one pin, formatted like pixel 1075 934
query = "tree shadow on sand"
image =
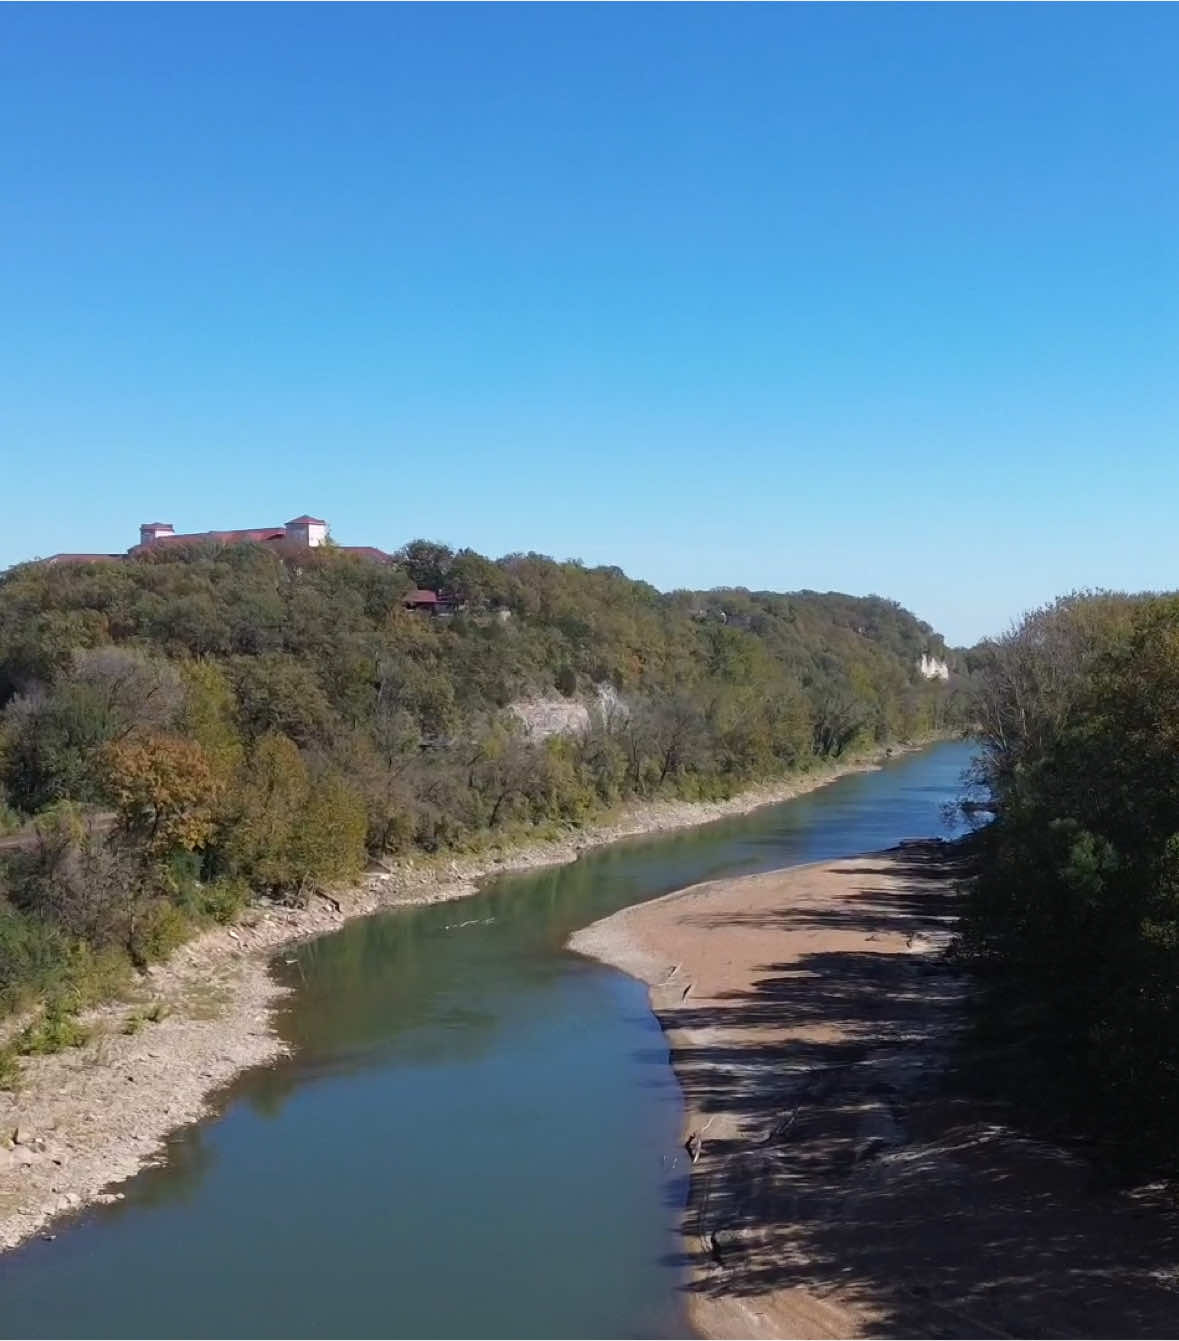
pixel 840 1153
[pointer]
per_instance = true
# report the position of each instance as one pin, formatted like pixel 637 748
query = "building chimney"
pixel 151 531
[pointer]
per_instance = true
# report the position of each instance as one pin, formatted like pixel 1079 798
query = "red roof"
pixel 82 558
pixel 366 552
pixel 306 521
pixel 420 597
pixel 260 535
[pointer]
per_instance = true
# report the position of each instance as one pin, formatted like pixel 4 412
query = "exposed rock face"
pixel 933 668
pixel 544 717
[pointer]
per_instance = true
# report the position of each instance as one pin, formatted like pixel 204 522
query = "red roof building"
pixel 304 532
pixel 432 602
pixel 421 600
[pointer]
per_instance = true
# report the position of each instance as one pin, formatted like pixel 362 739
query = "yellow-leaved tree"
pixel 163 790
pixel 288 831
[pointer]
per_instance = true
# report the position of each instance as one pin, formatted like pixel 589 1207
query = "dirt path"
pixel 840 1188
pixel 84 1119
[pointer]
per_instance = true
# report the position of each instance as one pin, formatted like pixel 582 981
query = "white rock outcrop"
pixel 542 717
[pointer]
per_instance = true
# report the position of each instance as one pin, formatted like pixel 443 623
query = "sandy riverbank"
pixel 88 1118
pixel 842 1184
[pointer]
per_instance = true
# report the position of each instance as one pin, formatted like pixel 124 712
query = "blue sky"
pixel 877 298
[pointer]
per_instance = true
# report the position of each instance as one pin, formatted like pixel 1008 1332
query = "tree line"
pixel 182 730
pixel 1073 918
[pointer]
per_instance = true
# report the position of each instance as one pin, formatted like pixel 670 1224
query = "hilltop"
pixel 200 723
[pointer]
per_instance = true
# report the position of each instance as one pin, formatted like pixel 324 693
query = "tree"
pixel 329 838
pixel 76 880
pixel 128 689
pixel 208 716
pixel 259 836
pixel 427 562
pixel 1075 906
pixel 258 715
pixel 53 736
pixel 277 693
pixel 163 791
pixel 289 832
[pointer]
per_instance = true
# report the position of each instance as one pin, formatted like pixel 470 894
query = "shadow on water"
pixel 477 1133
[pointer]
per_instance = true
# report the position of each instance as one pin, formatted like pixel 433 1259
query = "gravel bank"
pixel 845 1181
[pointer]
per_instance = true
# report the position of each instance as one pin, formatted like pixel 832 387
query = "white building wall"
pixel 310 534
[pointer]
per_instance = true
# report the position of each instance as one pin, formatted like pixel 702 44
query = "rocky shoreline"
pixel 84 1119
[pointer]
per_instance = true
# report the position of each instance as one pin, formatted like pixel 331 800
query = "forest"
pixel 1073 919
pixel 185 729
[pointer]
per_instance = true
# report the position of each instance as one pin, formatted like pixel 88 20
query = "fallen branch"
pixel 695 1142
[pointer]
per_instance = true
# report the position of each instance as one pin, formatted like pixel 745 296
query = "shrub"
pixel 158 929
pixel 9 1069
pixel 55 1031
pixel 33 958
pixel 10 819
pixel 221 900
pixel 80 882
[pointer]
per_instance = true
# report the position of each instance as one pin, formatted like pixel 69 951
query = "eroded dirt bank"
pixel 842 1186
pixel 84 1119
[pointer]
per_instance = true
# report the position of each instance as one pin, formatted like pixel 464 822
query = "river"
pixel 477 1134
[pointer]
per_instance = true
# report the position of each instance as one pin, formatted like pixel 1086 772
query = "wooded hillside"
pixel 264 722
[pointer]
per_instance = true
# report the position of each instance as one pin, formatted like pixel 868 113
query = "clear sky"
pixel 877 298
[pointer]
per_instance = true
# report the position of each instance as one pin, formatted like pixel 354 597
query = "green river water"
pixel 477 1134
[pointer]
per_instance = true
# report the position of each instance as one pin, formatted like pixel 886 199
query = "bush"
pixel 55 1031
pixel 33 959
pixel 79 882
pixel 222 900
pixel 158 930
pixel 10 819
pixel 9 1069
pixel 134 1022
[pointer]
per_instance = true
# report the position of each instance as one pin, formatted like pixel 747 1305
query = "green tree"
pixel 258 840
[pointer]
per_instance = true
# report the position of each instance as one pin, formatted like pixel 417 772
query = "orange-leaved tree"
pixel 163 789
